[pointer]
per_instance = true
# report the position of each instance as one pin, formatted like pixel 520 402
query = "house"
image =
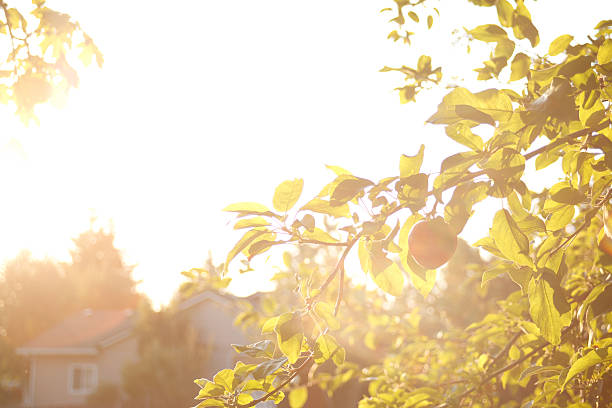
pixel 89 348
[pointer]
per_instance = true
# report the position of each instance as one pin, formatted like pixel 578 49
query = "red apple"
pixel 432 243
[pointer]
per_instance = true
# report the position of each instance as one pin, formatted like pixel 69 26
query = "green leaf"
pixel 470 113
pixel 326 312
pixel 491 102
pixel 390 279
pixel 269 325
pixel 208 389
pixel 298 397
pixel 326 347
pixel 505 12
pixel 592 358
pixel 410 165
pixel 244 399
pixel 519 67
pixel 290 335
pixel 247 239
pixel 543 311
pixel 524 28
pixel 338 170
pixel 324 207
pixel 347 189
pixel 494 272
pixel 521 276
pixel 287 194
pixel 319 235
pixel 604 54
pixel 567 195
pixel 268 367
pixel 560 44
pixel 560 218
pixel 247 208
pixel 225 378
pixel 488 33
pixel 509 239
pixel 535 370
pixel 251 222
pixel 264 348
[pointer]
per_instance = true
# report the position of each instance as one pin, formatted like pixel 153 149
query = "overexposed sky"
pixel 204 103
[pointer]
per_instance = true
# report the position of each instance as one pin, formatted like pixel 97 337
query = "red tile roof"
pixel 83 329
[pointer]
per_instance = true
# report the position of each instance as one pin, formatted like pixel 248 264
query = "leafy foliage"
pixel 543 343
pixel 40 62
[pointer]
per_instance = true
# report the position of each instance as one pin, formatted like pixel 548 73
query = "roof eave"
pixel 57 351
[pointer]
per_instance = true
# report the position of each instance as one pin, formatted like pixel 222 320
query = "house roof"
pixel 82 333
pixel 85 332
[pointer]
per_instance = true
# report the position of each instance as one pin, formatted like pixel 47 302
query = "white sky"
pixel 202 104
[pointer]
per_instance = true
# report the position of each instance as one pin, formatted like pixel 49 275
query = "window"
pixel 82 378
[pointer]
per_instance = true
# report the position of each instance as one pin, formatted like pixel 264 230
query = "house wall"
pixel 51 383
pixel 112 359
pixel 214 322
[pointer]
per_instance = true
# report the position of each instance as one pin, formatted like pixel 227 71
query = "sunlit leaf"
pixel 488 33
pixel 520 66
pixel 327 347
pixel 346 190
pixel 298 397
pixel 543 311
pixel 509 238
pixel 225 378
pixel 604 54
pixel 290 335
pixel 326 312
pixel 287 194
pixel 592 358
pixel 505 12
pixel 410 165
pixel 324 207
pixel 268 367
pixel 560 44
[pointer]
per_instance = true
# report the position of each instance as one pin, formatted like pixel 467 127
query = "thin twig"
pixel 280 386
pixel 506 348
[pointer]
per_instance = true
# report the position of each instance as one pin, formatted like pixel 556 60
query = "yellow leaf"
pixel 287 194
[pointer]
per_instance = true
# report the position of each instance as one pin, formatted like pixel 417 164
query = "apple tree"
pixel 548 340
pixel 42 45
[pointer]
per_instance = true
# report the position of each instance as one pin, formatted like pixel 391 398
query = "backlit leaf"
pixel 290 335
pixel 287 194
pixel 325 347
pixel 520 66
pixel 592 358
pixel 410 165
pixel 268 367
pixel 319 235
pixel 488 33
pixel 462 133
pixel 324 207
pixel 560 44
pixel 509 239
pixel 298 397
pixel 470 113
pixel 225 378
pixel 604 55
pixel 347 189
pixel 543 311
pixel 390 279
pixel 505 12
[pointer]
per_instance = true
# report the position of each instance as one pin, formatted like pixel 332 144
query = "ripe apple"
pixel 605 235
pixel 432 243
